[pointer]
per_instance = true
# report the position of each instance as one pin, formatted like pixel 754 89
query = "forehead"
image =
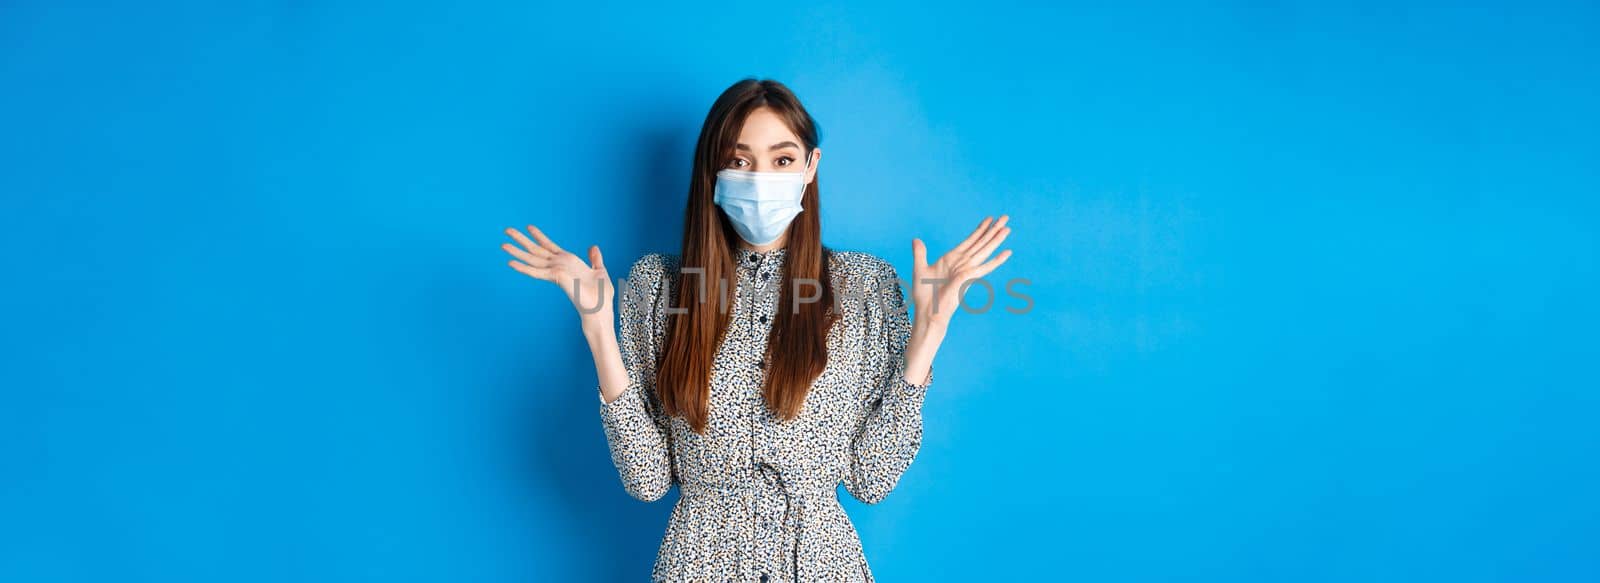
pixel 764 128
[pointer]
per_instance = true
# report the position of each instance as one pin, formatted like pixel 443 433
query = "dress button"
pixel 763 318
pixel 766 275
pixel 761 364
pixel 763 578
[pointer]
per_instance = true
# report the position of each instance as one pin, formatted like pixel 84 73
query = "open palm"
pixel 586 284
pixel 936 287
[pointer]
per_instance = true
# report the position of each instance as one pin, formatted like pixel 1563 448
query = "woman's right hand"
pixel 586 284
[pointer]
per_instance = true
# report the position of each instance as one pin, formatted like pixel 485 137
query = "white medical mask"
pixel 760 204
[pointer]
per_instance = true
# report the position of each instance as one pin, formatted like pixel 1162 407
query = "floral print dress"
pixel 757 495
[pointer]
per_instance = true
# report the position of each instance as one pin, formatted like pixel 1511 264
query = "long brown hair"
pixel 797 348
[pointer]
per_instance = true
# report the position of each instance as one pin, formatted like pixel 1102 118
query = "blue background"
pixel 1314 284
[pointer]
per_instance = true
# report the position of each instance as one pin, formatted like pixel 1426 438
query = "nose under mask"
pixel 760 204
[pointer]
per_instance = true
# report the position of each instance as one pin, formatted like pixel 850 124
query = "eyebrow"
pixel 774 146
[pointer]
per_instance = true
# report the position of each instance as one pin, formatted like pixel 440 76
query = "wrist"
pixel 597 325
pixel 929 327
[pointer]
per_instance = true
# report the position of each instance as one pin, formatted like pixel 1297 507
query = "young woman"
pixel 758 369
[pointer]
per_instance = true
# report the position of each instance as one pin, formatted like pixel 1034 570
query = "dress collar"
pixel 747 257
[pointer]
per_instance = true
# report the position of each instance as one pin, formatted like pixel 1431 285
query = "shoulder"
pixel 653 267
pixel 861 270
pixel 651 273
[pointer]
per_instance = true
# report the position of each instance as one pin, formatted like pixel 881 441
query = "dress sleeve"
pixel 890 432
pixel 637 431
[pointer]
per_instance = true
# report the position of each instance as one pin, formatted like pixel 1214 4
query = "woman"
pixel 759 369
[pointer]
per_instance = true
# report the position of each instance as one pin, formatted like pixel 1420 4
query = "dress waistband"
pixel 791 483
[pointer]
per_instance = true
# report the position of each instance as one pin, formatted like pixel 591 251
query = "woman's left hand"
pixel 936 288
pixel 936 291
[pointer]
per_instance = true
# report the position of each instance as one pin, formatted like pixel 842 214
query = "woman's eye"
pixel 785 161
pixel 739 163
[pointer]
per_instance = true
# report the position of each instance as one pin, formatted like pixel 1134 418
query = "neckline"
pixel 745 255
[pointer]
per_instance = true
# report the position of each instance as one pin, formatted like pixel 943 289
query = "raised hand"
pixel 586 284
pixel 936 288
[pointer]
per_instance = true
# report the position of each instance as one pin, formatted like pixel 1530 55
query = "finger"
pixel 523 240
pixel 531 271
pixel 988 236
pixel 962 248
pixel 543 240
pixel 919 253
pixel 595 260
pixel 990 265
pixel 526 257
pixel 981 253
